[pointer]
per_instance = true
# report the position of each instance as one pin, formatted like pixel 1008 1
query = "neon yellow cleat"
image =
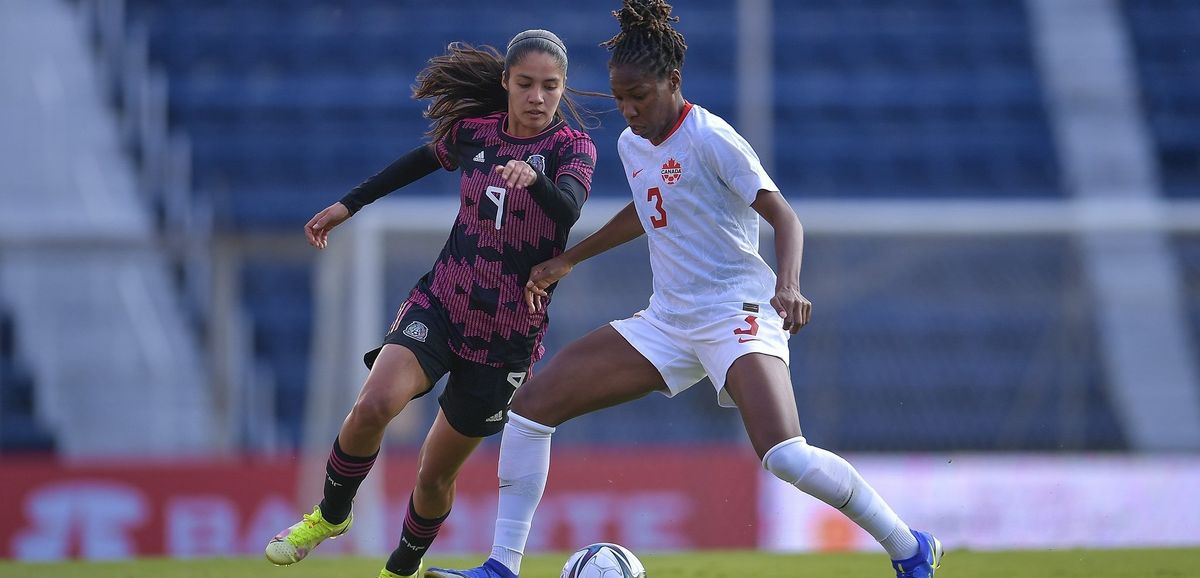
pixel 299 539
pixel 417 574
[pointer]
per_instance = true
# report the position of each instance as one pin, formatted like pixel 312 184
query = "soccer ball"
pixel 603 560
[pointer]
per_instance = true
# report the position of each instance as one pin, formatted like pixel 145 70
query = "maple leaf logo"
pixel 671 171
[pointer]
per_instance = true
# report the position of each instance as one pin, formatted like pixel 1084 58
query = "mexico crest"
pixel 538 162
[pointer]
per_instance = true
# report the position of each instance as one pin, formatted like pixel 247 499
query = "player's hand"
pixel 542 276
pixel 794 308
pixel 318 227
pixel 516 173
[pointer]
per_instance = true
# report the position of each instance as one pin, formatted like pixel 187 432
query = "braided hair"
pixel 647 38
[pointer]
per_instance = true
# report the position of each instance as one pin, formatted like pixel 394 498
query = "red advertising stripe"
pixel 648 499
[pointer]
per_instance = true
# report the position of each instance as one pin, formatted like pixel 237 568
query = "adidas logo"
pixel 498 417
pixel 479 157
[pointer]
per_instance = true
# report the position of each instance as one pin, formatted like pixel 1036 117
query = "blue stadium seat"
pixel 1166 45
pixel 1188 250
pixel 279 300
pixel 959 351
pixel 21 431
pixel 913 100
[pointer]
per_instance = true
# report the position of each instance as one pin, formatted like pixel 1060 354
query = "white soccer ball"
pixel 603 560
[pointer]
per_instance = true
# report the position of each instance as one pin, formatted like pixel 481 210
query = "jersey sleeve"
pixel 578 159
pixel 446 148
pixel 736 164
pixel 414 165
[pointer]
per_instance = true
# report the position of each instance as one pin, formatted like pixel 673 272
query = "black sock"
pixel 343 474
pixel 418 534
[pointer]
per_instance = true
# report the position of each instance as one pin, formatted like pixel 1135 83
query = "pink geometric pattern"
pixel 479 278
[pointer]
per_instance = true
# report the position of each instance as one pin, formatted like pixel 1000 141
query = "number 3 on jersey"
pixel 497 194
pixel 655 195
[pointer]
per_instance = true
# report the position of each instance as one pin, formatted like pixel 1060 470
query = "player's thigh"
pixel 396 378
pixel 761 386
pixel 415 354
pixel 598 370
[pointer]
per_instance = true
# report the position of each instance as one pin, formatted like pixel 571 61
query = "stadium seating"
pixel 1165 43
pixel 1188 248
pixel 278 299
pixel 912 99
pixel 291 103
pixel 985 345
pixel 20 428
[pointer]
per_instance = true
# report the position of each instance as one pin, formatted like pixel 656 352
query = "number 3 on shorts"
pixel 751 331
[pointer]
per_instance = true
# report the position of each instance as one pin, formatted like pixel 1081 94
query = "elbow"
pixel 786 219
pixel 572 213
pixel 789 226
pixel 568 211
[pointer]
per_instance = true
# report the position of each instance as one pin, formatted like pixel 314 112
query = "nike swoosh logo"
pixel 744 340
pixel 637 172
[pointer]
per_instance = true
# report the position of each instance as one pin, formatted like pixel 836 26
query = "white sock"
pixel 524 465
pixel 507 557
pixel 900 544
pixel 831 479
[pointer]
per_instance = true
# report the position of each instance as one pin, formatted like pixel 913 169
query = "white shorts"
pixel 716 337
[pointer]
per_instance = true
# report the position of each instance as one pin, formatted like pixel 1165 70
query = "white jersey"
pixel 693 194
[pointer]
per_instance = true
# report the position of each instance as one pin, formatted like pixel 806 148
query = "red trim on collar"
pixel 687 107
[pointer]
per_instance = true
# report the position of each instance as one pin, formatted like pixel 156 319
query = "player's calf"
pixel 831 479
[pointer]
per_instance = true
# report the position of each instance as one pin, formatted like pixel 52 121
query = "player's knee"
pixel 789 459
pixel 520 400
pixel 435 483
pixel 373 412
pixel 534 404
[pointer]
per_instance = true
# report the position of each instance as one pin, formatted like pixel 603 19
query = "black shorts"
pixel 476 397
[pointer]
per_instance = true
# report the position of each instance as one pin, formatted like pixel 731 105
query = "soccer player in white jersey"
pixel 717 308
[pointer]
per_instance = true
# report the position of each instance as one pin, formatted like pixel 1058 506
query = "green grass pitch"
pixel 1041 564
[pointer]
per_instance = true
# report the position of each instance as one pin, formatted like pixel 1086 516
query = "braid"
pixel 647 38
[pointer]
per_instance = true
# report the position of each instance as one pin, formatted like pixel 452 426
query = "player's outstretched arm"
pixel 412 166
pixel 794 307
pixel 622 228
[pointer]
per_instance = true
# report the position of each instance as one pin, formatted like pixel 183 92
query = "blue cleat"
pixel 927 559
pixel 490 569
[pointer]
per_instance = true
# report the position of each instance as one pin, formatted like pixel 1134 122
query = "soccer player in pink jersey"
pixel 525 176
pixel 718 310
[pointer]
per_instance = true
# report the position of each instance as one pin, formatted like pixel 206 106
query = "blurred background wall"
pixel 1003 255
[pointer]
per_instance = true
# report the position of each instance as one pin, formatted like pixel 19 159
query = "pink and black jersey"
pixel 499 235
